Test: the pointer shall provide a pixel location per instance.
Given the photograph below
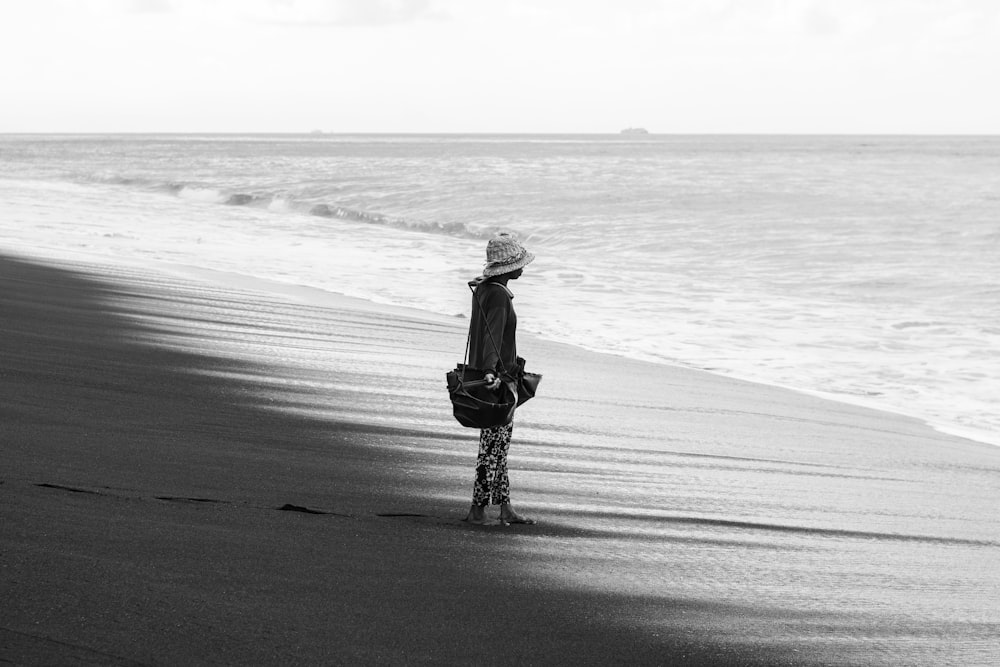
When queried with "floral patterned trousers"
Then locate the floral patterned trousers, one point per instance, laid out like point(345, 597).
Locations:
point(491, 467)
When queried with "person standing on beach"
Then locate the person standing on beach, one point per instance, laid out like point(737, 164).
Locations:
point(492, 347)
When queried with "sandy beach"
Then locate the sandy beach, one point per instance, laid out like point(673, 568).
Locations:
point(202, 470)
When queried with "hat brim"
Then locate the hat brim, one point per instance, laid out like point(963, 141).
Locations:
point(500, 269)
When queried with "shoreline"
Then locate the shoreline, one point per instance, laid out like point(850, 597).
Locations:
point(319, 296)
point(323, 297)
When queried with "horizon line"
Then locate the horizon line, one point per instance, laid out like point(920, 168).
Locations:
point(324, 133)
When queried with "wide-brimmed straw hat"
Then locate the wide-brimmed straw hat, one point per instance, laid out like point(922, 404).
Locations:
point(504, 254)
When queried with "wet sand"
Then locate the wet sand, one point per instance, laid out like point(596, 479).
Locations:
point(203, 473)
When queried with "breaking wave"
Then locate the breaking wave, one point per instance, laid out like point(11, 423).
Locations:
point(283, 202)
point(450, 229)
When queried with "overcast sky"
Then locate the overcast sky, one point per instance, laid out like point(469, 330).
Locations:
point(672, 66)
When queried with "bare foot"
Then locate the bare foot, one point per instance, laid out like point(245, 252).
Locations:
point(476, 516)
point(509, 516)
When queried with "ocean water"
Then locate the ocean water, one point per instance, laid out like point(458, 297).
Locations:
point(866, 269)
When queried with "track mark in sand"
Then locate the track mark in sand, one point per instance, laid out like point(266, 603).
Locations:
point(71, 489)
point(184, 499)
point(288, 507)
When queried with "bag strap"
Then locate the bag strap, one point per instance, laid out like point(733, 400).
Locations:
point(468, 339)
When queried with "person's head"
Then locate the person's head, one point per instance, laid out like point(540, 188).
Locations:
point(505, 257)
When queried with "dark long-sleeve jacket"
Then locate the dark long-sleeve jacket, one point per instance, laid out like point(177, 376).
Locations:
point(492, 315)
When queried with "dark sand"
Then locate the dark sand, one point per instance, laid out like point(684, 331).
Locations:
point(197, 474)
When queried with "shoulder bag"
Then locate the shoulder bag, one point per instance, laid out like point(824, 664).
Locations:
point(474, 404)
